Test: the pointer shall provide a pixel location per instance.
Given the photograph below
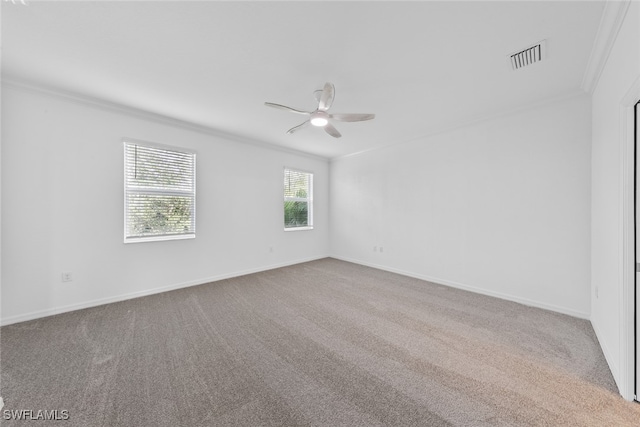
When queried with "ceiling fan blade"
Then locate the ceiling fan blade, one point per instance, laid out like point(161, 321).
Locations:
point(300, 126)
point(326, 99)
point(284, 107)
point(332, 131)
point(352, 117)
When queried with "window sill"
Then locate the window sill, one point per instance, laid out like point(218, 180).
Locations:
point(298, 228)
point(158, 238)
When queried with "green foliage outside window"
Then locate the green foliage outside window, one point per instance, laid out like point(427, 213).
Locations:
point(154, 215)
point(297, 199)
point(296, 214)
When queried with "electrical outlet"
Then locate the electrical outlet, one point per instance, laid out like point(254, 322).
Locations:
point(67, 276)
point(381, 249)
point(596, 292)
point(270, 248)
point(375, 249)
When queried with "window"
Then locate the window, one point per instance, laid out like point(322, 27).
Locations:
point(298, 200)
point(160, 193)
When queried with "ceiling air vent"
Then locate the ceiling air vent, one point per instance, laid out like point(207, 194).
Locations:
point(528, 56)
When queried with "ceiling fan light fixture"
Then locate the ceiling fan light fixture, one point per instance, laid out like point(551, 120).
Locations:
point(319, 121)
point(319, 118)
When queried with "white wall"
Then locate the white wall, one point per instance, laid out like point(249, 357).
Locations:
point(62, 208)
point(501, 207)
point(621, 71)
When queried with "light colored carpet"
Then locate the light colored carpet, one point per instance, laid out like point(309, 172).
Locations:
point(325, 343)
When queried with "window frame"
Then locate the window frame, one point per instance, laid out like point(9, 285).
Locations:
point(157, 191)
point(308, 200)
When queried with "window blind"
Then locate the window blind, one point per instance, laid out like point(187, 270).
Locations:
point(298, 210)
point(159, 193)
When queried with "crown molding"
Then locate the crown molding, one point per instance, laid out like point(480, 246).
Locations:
point(610, 24)
point(100, 103)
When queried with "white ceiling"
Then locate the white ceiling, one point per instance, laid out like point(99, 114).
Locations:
point(421, 67)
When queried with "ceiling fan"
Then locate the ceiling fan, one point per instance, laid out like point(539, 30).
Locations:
point(320, 117)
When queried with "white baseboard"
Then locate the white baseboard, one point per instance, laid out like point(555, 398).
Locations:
point(525, 301)
point(101, 301)
point(122, 297)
